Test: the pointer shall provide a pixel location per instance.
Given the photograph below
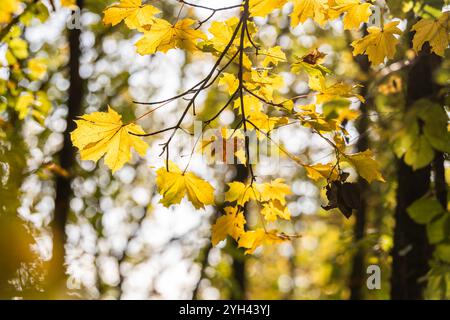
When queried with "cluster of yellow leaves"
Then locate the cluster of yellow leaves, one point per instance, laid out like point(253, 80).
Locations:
point(103, 134)
point(159, 34)
point(355, 12)
point(311, 63)
point(380, 43)
point(232, 224)
point(270, 196)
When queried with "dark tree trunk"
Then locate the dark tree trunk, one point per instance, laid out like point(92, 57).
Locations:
point(411, 251)
point(357, 276)
point(57, 275)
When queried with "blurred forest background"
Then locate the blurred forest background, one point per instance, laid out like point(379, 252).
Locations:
point(72, 229)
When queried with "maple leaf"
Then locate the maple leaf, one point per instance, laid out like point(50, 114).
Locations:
point(231, 223)
point(274, 209)
point(261, 8)
point(251, 105)
point(355, 12)
point(379, 44)
point(132, 11)
point(263, 83)
point(274, 190)
point(433, 31)
point(322, 171)
point(240, 193)
point(174, 184)
point(229, 82)
point(273, 56)
point(272, 195)
point(305, 9)
point(103, 133)
point(162, 36)
point(337, 90)
point(365, 165)
point(222, 33)
point(251, 240)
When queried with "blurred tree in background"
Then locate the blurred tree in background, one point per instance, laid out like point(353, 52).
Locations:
point(73, 229)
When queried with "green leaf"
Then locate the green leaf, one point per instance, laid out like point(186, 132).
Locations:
point(435, 127)
point(420, 154)
point(406, 137)
point(437, 136)
point(442, 252)
point(437, 229)
point(424, 210)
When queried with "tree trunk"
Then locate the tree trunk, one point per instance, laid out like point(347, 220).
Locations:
point(67, 160)
point(357, 276)
point(411, 251)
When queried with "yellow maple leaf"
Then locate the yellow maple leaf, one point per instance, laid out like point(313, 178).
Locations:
point(366, 166)
point(240, 193)
point(379, 43)
point(163, 36)
point(263, 83)
point(174, 184)
point(132, 11)
point(251, 240)
point(261, 8)
point(337, 90)
point(274, 209)
point(355, 11)
point(273, 55)
point(231, 223)
point(322, 171)
point(274, 190)
point(103, 134)
point(229, 82)
point(305, 9)
point(222, 32)
point(251, 105)
point(435, 32)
